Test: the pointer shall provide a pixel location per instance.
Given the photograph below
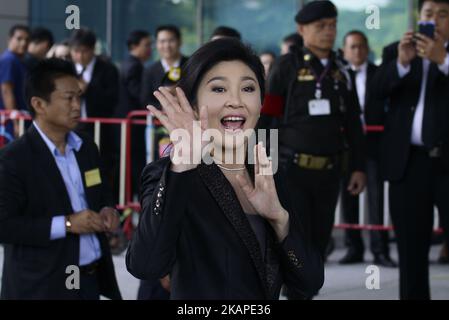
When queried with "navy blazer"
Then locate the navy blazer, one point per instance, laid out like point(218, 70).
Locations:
point(32, 192)
point(193, 228)
point(130, 86)
point(102, 93)
point(152, 78)
point(374, 112)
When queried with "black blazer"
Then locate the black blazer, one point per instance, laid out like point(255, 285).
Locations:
point(130, 86)
point(402, 97)
point(373, 112)
point(102, 93)
point(32, 191)
point(153, 77)
point(193, 227)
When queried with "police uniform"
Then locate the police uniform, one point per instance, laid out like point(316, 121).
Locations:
point(313, 105)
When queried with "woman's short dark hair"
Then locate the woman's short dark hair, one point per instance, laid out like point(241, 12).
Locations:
point(41, 80)
point(212, 53)
point(225, 31)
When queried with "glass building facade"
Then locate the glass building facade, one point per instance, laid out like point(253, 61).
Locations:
point(262, 23)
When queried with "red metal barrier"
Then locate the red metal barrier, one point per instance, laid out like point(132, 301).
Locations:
point(125, 180)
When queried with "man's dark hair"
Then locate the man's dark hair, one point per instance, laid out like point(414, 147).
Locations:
point(212, 53)
point(135, 37)
point(40, 34)
point(83, 37)
point(41, 80)
point(224, 31)
point(295, 39)
point(269, 52)
point(18, 27)
point(421, 3)
point(358, 33)
point(170, 28)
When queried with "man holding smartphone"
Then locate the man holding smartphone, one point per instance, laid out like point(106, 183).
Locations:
point(415, 152)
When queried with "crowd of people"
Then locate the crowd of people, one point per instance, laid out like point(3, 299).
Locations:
point(244, 236)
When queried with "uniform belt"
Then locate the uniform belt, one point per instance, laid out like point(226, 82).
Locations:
point(312, 162)
point(90, 268)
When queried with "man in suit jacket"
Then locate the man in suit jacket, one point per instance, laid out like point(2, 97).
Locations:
point(166, 71)
point(139, 47)
point(361, 71)
point(54, 204)
point(139, 51)
point(415, 156)
point(99, 78)
point(100, 84)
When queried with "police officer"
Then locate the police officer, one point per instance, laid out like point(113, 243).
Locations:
point(311, 102)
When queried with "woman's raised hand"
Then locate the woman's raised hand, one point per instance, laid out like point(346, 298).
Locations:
point(178, 114)
point(263, 195)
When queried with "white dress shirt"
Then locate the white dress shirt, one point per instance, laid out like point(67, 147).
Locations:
point(361, 74)
point(89, 249)
point(167, 67)
point(324, 61)
point(416, 137)
point(87, 77)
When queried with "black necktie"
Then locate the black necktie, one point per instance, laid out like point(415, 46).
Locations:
point(352, 76)
point(80, 75)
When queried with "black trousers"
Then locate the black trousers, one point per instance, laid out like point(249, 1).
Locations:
point(152, 290)
point(350, 210)
point(89, 289)
point(315, 195)
point(412, 201)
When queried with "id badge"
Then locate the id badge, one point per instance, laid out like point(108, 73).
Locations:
point(92, 178)
point(319, 107)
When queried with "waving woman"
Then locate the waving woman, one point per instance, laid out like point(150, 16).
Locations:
point(221, 230)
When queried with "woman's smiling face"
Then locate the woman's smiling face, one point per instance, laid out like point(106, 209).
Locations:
point(231, 92)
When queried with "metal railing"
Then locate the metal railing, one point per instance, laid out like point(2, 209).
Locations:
point(125, 184)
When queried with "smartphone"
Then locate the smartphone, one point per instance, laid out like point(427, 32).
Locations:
point(427, 28)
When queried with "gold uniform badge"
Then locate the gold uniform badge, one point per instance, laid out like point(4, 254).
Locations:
point(174, 74)
point(305, 75)
point(337, 75)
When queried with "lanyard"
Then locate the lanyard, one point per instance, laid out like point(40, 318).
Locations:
point(318, 92)
point(320, 78)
